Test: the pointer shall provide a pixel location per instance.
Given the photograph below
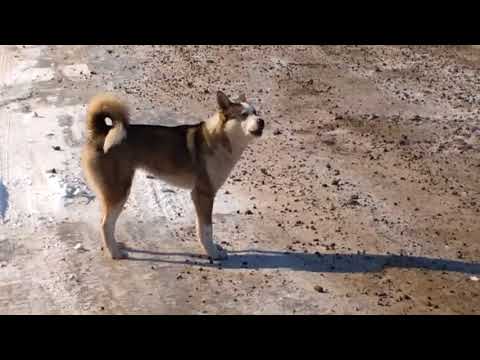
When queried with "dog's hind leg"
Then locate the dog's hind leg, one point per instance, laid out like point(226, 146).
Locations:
point(203, 206)
point(109, 220)
point(112, 206)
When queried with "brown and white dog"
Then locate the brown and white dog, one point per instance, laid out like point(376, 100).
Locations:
point(197, 157)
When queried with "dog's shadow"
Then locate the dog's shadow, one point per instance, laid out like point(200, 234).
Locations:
point(338, 263)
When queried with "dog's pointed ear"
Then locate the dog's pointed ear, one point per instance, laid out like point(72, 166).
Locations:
point(223, 100)
point(242, 98)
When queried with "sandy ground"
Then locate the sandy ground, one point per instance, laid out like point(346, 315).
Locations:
point(362, 197)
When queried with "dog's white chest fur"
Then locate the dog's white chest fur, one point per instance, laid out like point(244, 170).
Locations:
point(219, 166)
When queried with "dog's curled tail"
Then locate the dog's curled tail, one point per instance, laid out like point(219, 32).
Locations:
point(100, 108)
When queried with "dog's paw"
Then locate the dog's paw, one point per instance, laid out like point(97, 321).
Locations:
point(119, 255)
point(116, 254)
point(121, 246)
point(220, 253)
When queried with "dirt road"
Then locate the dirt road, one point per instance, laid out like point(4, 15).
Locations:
point(363, 197)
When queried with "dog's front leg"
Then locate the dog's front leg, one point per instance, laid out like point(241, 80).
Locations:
point(203, 206)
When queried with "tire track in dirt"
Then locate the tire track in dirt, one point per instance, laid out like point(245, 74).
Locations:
point(6, 63)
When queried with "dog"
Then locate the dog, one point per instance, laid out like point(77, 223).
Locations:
point(197, 157)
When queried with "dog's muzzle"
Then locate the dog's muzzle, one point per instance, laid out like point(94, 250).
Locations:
point(260, 127)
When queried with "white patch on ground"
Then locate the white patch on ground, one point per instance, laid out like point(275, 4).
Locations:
point(75, 71)
point(279, 63)
point(25, 72)
point(78, 126)
point(34, 75)
point(38, 191)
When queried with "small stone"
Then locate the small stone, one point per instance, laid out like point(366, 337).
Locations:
point(248, 212)
point(56, 148)
point(320, 289)
point(328, 139)
point(277, 132)
point(79, 247)
point(353, 201)
point(52, 171)
point(474, 278)
point(264, 172)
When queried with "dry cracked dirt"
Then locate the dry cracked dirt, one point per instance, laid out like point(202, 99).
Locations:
point(362, 197)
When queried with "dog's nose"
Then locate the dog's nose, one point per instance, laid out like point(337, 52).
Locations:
point(261, 123)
